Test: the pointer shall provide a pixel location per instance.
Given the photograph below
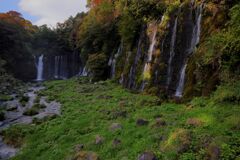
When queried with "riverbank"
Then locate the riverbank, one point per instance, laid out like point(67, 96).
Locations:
point(105, 121)
point(22, 107)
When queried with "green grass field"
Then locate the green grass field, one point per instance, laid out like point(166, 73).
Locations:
point(200, 129)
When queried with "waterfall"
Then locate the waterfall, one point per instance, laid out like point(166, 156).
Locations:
point(40, 68)
point(121, 79)
point(151, 50)
point(56, 67)
point(84, 72)
point(172, 52)
point(194, 42)
point(196, 30)
point(199, 20)
point(180, 87)
point(60, 67)
point(131, 82)
point(153, 42)
point(114, 61)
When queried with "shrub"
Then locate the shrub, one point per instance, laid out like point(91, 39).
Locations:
point(31, 111)
point(23, 100)
point(2, 116)
point(97, 63)
point(14, 136)
point(228, 93)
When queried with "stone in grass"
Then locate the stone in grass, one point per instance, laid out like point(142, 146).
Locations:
point(160, 122)
point(195, 122)
point(86, 155)
point(115, 126)
point(117, 114)
point(99, 140)
point(147, 156)
point(213, 152)
point(79, 147)
point(122, 104)
point(116, 142)
point(141, 122)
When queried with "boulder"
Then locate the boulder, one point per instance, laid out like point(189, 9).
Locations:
point(195, 122)
point(86, 155)
point(115, 126)
point(117, 114)
point(116, 142)
point(147, 156)
point(79, 147)
point(142, 122)
point(99, 140)
point(160, 122)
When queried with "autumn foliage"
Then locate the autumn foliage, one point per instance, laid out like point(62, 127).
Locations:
point(15, 18)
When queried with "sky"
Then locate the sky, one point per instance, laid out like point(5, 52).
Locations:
point(41, 12)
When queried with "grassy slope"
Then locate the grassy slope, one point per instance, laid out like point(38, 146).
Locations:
point(88, 110)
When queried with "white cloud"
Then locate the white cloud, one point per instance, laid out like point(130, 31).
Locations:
point(52, 11)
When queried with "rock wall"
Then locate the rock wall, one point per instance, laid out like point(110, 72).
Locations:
point(162, 61)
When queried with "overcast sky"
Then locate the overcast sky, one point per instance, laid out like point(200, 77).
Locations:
point(44, 11)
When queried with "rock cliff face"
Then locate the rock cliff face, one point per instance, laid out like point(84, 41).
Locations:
point(162, 60)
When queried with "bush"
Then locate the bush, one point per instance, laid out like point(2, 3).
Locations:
point(23, 100)
point(31, 111)
point(228, 93)
point(97, 63)
point(2, 116)
point(5, 98)
point(14, 136)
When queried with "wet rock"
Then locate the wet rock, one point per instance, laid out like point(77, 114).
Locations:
point(79, 147)
point(160, 122)
point(142, 122)
point(147, 156)
point(116, 142)
point(99, 140)
point(86, 155)
point(13, 106)
point(6, 151)
point(115, 127)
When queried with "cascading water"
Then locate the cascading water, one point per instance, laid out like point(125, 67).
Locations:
point(196, 30)
point(114, 60)
point(84, 72)
point(153, 42)
point(131, 82)
point(152, 47)
point(172, 52)
point(40, 68)
point(179, 90)
point(56, 67)
point(60, 67)
point(194, 42)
